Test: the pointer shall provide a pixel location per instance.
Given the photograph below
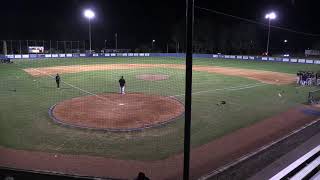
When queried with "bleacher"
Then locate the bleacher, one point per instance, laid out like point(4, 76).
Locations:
point(306, 167)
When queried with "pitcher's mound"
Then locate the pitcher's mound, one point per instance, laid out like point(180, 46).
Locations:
point(152, 77)
point(116, 112)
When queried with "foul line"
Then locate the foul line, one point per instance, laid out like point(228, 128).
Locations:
point(234, 88)
point(71, 85)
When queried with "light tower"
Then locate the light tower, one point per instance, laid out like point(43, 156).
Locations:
point(89, 14)
point(270, 16)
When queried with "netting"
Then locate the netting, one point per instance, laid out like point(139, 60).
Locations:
point(118, 109)
point(245, 99)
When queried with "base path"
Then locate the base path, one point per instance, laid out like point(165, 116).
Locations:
point(117, 112)
point(203, 159)
point(268, 77)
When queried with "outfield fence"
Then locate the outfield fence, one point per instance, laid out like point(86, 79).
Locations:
point(175, 55)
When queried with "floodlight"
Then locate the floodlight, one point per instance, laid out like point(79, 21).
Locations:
point(88, 13)
point(271, 16)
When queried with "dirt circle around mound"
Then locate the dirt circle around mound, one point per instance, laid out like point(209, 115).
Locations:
point(152, 77)
point(116, 112)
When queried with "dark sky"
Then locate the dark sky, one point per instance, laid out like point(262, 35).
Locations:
point(137, 21)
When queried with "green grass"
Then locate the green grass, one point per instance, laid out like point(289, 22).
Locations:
point(25, 100)
point(260, 65)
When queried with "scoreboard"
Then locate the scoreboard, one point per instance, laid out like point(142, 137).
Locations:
point(36, 49)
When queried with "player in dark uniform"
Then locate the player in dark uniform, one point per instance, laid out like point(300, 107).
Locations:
point(122, 84)
point(58, 80)
point(318, 78)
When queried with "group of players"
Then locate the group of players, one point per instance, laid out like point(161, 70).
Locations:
point(4, 59)
point(122, 83)
point(308, 78)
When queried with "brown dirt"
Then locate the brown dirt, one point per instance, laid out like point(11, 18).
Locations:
point(203, 159)
point(129, 112)
point(259, 75)
point(316, 105)
point(152, 77)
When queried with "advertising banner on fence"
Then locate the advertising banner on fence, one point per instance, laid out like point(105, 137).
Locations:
point(175, 55)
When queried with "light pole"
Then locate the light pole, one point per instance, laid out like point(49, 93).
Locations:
point(89, 14)
point(285, 46)
point(116, 37)
point(153, 41)
point(270, 16)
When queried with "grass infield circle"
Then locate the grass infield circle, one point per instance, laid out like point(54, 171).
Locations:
point(116, 112)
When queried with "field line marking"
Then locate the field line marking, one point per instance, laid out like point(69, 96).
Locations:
point(234, 88)
point(249, 155)
point(71, 85)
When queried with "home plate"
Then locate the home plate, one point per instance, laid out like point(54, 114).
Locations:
point(121, 104)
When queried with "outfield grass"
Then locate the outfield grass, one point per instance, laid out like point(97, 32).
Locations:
point(292, 68)
point(25, 100)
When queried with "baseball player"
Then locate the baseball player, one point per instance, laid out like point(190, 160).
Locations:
point(58, 80)
point(122, 84)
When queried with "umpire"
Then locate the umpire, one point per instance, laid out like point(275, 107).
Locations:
point(58, 80)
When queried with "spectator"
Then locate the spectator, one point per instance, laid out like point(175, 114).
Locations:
point(142, 176)
point(318, 78)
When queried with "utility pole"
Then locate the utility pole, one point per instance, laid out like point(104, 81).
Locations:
point(78, 51)
point(20, 47)
point(57, 47)
point(84, 46)
point(50, 47)
point(28, 46)
point(11, 47)
point(65, 46)
point(116, 36)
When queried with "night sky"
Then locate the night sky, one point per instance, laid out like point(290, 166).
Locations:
point(138, 22)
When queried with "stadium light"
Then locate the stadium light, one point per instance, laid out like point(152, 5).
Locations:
point(153, 41)
point(270, 16)
point(89, 14)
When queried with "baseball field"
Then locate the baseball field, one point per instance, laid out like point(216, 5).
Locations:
point(237, 107)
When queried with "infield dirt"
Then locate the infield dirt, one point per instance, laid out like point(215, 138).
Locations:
point(268, 77)
point(118, 112)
